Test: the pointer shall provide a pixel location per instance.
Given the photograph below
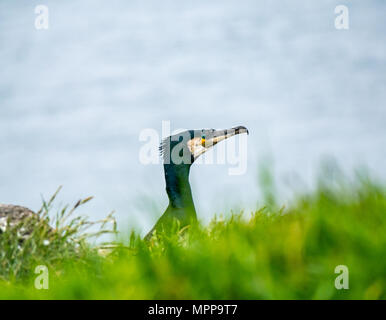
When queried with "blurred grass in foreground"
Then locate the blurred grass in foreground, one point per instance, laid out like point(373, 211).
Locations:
point(278, 253)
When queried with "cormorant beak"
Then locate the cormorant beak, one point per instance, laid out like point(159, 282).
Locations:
point(209, 138)
point(220, 135)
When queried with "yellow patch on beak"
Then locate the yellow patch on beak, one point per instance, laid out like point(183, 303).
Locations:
point(203, 142)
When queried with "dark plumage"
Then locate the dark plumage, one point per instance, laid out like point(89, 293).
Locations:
point(179, 153)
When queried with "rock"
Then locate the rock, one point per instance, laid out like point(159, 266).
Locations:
point(12, 216)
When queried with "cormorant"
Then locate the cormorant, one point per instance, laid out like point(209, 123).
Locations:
point(179, 151)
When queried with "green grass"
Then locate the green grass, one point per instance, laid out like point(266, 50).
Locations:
point(277, 253)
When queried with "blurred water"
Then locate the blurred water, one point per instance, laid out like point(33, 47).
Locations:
point(74, 98)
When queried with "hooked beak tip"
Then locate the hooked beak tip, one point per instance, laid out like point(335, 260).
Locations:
point(241, 129)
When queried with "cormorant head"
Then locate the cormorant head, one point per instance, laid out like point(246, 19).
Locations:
point(185, 147)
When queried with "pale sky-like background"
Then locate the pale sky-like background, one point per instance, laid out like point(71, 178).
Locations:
point(74, 98)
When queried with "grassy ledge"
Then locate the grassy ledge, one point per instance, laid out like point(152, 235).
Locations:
point(281, 253)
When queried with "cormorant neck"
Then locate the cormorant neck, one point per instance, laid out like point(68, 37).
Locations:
point(178, 187)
